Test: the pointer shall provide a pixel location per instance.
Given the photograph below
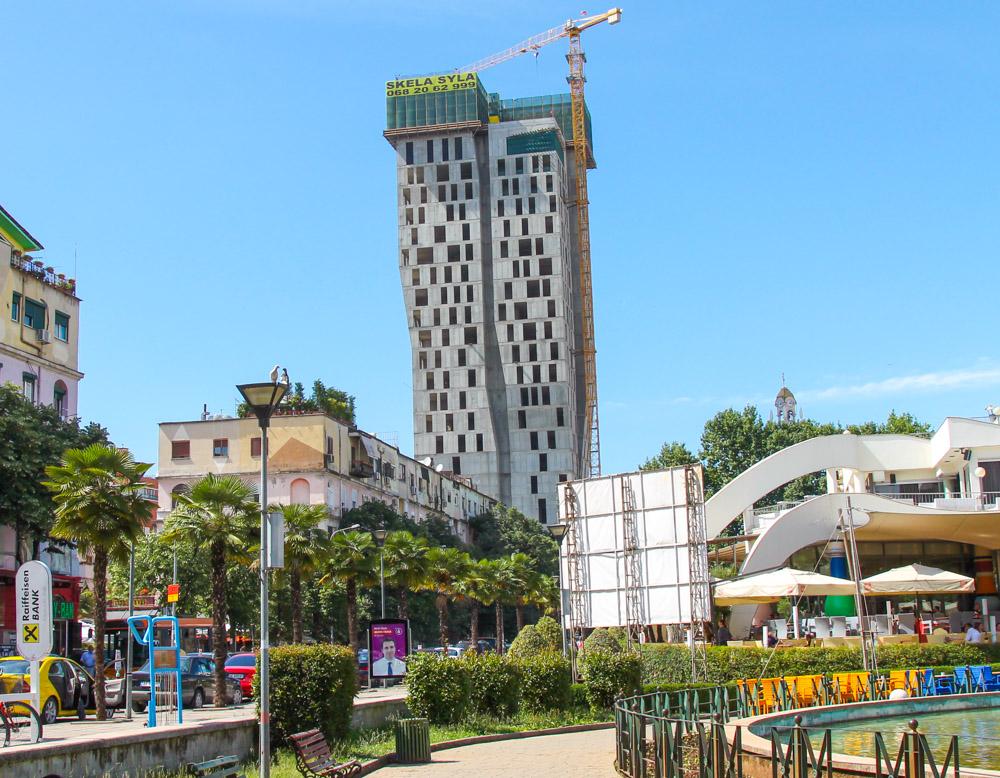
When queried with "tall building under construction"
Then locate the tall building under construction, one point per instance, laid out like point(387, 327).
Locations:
point(488, 258)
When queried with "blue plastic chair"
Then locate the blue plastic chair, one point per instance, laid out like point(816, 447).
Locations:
point(926, 683)
point(983, 679)
point(963, 680)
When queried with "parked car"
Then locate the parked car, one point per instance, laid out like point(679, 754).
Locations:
point(197, 684)
point(243, 667)
point(67, 688)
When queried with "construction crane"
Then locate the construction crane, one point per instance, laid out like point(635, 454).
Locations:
point(572, 29)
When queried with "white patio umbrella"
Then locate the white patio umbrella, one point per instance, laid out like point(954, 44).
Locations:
point(916, 579)
point(775, 584)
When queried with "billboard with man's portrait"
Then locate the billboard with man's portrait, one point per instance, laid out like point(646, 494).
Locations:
point(388, 647)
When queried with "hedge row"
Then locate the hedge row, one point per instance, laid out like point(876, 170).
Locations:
point(448, 690)
point(311, 686)
point(664, 663)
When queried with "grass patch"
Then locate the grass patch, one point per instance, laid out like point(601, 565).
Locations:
point(365, 744)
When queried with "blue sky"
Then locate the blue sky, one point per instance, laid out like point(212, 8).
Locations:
point(799, 187)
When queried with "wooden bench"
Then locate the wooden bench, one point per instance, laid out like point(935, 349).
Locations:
point(313, 757)
point(223, 767)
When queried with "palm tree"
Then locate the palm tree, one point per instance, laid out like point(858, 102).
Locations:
point(498, 591)
point(218, 513)
point(546, 595)
point(98, 506)
point(445, 567)
point(306, 549)
point(524, 580)
point(405, 565)
point(476, 587)
point(353, 560)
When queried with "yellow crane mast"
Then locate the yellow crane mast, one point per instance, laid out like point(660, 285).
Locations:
point(572, 30)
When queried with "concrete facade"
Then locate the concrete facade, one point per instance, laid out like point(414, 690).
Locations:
point(314, 460)
point(490, 282)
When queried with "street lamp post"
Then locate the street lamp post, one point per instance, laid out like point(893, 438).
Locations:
point(380, 539)
point(558, 532)
point(263, 398)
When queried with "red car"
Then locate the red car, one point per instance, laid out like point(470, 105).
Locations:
point(244, 666)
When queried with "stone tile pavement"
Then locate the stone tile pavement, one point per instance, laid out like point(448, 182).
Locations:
point(578, 754)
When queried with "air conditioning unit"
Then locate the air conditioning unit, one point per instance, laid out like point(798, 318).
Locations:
point(43, 336)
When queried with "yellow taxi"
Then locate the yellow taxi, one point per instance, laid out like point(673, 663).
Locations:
point(62, 682)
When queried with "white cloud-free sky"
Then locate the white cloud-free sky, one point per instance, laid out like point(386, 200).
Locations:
point(799, 188)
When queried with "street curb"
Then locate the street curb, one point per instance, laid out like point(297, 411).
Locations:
point(383, 761)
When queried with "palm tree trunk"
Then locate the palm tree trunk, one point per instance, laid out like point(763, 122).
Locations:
point(218, 555)
point(404, 603)
point(352, 614)
point(100, 616)
point(499, 610)
point(442, 608)
point(474, 624)
point(519, 612)
point(295, 584)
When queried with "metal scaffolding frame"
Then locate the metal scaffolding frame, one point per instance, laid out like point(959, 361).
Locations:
point(576, 613)
point(635, 620)
point(700, 582)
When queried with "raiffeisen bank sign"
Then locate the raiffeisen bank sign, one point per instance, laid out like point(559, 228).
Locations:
point(33, 593)
point(428, 85)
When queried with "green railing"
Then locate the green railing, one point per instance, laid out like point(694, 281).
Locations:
point(683, 735)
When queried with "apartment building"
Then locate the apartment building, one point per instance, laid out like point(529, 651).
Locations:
point(314, 460)
point(489, 269)
point(39, 333)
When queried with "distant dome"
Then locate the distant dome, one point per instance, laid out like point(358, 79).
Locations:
point(784, 393)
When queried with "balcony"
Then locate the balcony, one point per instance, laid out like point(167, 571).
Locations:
point(360, 469)
point(47, 275)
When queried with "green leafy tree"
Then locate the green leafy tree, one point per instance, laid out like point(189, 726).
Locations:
point(674, 454)
point(32, 437)
point(445, 568)
point(405, 565)
point(306, 549)
point(353, 561)
point(895, 424)
point(731, 442)
point(97, 492)
point(505, 531)
point(221, 515)
point(154, 571)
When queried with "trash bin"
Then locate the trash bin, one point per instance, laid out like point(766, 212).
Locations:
point(413, 741)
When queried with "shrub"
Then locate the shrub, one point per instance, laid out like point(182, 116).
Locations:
point(496, 684)
point(311, 686)
point(611, 639)
point(545, 682)
point(548, 629)
point(609, 675)
point(578, 695)
point(666, 663)
point(536, 638)
point(527, 643)
point(439, 687)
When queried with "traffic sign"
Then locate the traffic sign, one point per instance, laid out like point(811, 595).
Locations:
point(173, 592)
point(33, 602)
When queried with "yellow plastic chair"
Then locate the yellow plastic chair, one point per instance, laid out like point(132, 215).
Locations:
point(903, 679)
point(770, 694)
point(861, 686)
point(843, 688)
point(806, 689)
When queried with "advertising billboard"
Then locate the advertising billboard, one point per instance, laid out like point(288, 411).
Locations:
point(388, 647)
point(429, 85)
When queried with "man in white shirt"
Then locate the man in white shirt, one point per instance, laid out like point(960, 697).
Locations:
point(389, 664)
point(973, 635)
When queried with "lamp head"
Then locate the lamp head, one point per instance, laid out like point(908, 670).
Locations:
point(263, 398)
point(558, 531)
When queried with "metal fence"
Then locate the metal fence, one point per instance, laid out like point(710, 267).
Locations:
point(683, 735)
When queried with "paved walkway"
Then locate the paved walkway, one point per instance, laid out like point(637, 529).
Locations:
point(579, 754)
point(67, 730)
